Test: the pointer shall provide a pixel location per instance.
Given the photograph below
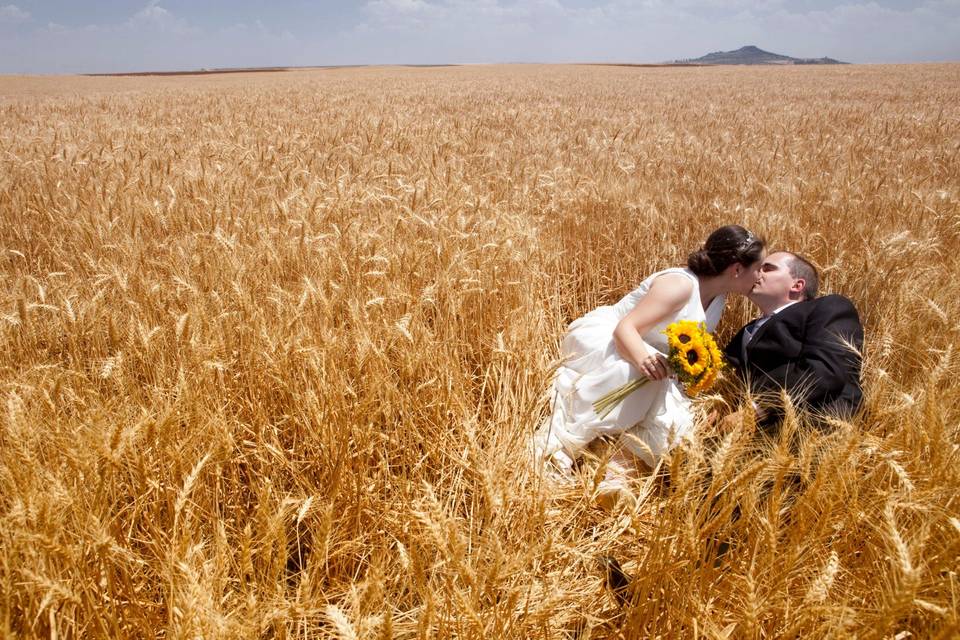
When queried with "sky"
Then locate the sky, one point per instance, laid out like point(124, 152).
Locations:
point(67, 36)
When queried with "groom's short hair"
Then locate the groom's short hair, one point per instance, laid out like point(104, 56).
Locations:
point(802, 269)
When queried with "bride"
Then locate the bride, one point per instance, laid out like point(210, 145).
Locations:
point(614, 344)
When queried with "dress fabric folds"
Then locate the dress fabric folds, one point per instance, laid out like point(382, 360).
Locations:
point(652, 419)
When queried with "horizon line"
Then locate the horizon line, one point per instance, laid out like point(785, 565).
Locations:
point(273, 69)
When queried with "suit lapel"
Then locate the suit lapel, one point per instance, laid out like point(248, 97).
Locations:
point(755, 340)
point(734, 349)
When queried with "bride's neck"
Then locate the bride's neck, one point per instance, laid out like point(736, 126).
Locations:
point(710, 288)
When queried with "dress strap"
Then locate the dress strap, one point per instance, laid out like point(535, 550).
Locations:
point(682, 270)
point(685, 271)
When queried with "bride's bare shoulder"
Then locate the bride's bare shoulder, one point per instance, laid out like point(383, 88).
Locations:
point(671, 286)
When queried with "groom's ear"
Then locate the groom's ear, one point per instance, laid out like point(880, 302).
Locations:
point(798, 286)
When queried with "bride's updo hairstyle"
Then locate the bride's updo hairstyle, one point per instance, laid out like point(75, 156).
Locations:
point(725, 246)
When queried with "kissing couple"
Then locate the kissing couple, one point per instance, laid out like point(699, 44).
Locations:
point(806, 345)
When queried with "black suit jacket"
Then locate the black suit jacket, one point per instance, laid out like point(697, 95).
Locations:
point(804, 349)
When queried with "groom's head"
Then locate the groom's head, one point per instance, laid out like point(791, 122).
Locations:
point(784, 277)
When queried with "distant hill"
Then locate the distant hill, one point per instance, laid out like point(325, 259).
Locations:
point(754, 55)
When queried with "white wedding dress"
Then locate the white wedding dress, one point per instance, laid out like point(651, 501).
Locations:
point(656, 415)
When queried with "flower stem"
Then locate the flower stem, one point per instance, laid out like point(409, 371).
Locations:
point(607, 403)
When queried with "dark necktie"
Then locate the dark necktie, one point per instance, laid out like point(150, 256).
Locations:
point(748, 333)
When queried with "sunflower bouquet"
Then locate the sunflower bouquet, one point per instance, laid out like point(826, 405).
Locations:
point(694, 356)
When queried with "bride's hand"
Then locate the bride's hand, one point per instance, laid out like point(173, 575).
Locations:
point(655, 367)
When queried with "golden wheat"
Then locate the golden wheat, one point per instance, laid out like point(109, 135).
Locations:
point(273, 347)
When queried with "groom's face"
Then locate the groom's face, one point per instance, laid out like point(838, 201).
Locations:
point(775, 282)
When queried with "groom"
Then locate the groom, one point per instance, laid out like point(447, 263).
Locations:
point(805, 345)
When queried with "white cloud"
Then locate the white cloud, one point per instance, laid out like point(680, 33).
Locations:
point(152, 13)
point(400, 6)
point(464, 11)
point(403, 13)
point(13, 13)
point(153, 16)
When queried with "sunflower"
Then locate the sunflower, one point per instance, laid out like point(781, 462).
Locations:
point(681, 333)
point(716, 356)
point(694, 358)
point(705, 382)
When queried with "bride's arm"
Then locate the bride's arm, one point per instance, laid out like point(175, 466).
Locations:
point(666, 296)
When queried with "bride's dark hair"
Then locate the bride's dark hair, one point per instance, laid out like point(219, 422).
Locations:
point(725, 246)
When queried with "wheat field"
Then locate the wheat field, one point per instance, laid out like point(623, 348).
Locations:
point(274, 345)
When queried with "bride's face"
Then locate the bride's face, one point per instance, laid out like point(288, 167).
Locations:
point(748, 276)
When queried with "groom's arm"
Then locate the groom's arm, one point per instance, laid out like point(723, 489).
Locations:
point(830, 357)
